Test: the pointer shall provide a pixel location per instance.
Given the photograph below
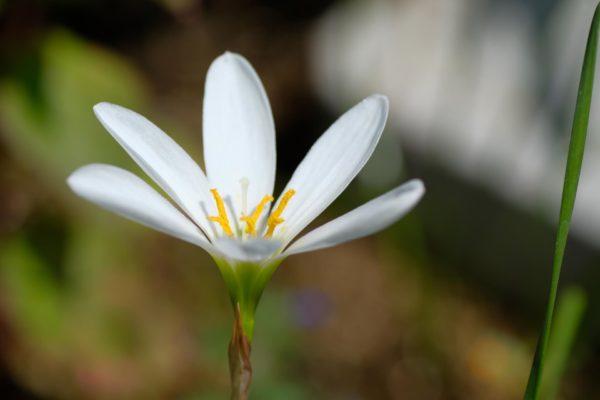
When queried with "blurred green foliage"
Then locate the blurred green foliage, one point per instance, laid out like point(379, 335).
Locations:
point(48, 115)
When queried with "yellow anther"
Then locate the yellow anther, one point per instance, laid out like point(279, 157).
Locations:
point(251, 220)
point(221, 219)
point(275, 217)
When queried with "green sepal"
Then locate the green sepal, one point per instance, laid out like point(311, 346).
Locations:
point(246, 282)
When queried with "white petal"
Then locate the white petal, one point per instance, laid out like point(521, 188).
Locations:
point(162, 159)
point(125, 194)
point(369, 218)
point(249, 250)
point(332, 162)
point(239, 133)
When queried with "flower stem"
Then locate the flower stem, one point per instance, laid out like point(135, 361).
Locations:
point(240, 366)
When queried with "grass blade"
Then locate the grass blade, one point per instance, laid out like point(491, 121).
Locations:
point(572, 172)
point(569, 314)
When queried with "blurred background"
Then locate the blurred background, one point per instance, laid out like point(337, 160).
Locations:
point(447, 304)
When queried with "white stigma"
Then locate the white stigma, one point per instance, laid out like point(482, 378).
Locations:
point(244, 182)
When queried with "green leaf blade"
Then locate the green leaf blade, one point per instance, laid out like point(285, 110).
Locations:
point(569, 315)
point(571, 181)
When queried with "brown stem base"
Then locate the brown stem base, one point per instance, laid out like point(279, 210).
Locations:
point(240, 367)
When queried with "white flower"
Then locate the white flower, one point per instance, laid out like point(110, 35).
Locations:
point(229, 212)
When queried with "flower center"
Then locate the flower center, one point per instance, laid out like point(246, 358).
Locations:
point(251, 220)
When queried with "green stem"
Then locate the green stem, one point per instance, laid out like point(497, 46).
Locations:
point(240, 366)
point(245, 282)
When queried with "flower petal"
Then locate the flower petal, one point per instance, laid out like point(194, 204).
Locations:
point(332, 163)
point(369, 218)
point(239, 133)
point(162, 159)
point(249, 250)
point(125, 194)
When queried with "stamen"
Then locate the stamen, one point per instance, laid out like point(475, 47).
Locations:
point(222, 218)
point(275, 217)
point(251, 220)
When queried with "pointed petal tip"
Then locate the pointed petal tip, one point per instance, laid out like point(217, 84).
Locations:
point(378, 100)
point(74, 179)
point(102, 107)
point(376, 104)
point(105, 110)
point(229, 59)
point(227, 66)
point(232, 65)
point(413, 189)
point(417, 185)
point(379, 97)
point(101, 104)
point(82, 177)
point(230, 55)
